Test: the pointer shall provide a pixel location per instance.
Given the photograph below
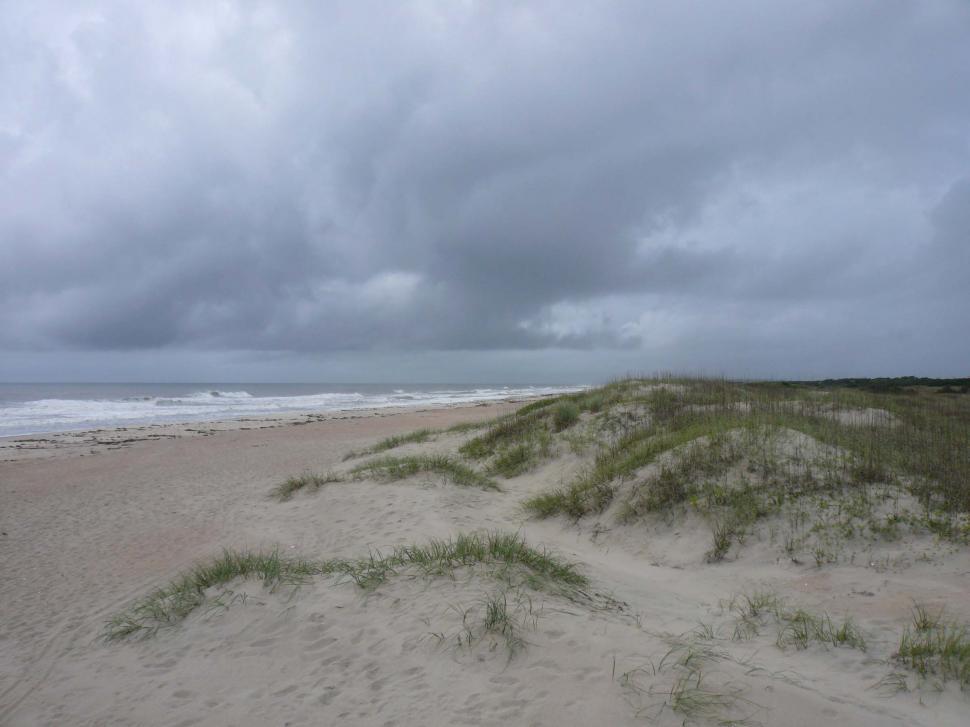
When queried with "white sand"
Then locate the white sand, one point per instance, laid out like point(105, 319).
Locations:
point(84, 535)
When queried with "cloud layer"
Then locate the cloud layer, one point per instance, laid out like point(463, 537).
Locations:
point(742, 186)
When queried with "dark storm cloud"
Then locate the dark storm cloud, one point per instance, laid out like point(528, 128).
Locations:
point(700, 182)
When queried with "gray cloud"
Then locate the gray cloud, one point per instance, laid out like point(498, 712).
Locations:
point(736, 188)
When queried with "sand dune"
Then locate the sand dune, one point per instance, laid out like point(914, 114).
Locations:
point(84, 537)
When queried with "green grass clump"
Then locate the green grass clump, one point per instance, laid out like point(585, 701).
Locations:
point(504, 432)
point(307, 481)
point(398, 468)
point(514, 460)
point(504, 552)
point(931, 646)
point(536, 405)
point(464, 427)
point(564, 415)
point(505, 556)
point(418, 436)
point(800, 628)
point(691, 697)
point(689, 476)
point(595, 488)
point(723, 533)
point(170, 604)
point(499, 618)
point(796, 627)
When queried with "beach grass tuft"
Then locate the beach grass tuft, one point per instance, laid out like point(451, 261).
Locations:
point(418, 436)
point(505, 556)
point(308, 481)
point(172, 603)
point(398, 468)
point(933, 647)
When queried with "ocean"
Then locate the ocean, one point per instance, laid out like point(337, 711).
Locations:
point(46, 408)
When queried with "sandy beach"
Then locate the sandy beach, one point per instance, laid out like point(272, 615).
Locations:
point(89, 522)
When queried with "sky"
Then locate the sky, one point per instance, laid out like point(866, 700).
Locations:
point(460, 191)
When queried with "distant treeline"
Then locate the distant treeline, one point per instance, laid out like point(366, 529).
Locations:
point(898, 383)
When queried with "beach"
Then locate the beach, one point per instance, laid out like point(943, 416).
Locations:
point(90, 522)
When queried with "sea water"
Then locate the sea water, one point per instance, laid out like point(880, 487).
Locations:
point(44, 408)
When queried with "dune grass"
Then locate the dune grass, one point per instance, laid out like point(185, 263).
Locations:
point(866, 450)
point(505, 553)
point(504, 432)
point(801, 628)
point(933, 647)
point(796, 627)
point(172, 603)
point(398, 468)
point(418, 436)
point(564, 415)
point(692, 693)
point(308, 481)
point(502, 617)
point(534, 406)
point(595, 488)
point(505, 556)
point(514, 460)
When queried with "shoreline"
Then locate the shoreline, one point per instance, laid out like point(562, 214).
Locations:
point(19, 447)
point(35, 412)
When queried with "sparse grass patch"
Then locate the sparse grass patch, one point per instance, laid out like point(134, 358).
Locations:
point(692, 694)
point(170, 604)
point(505, 556)
point(398, 468)
point(595, 488)
point(501, 617)
point(693, 698)
point(464, 427)
point(534, 406)
point(933, 647)
point(416, 437)
point(506, 431)
point(564, 415)
point(307, 481)
point(723, 533)
point(800, 628)
point(796, 627)
point(514, 460)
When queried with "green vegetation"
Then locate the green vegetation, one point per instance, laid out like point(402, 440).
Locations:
point(307, 481)
point(170, 604)
point(933, 647)
point(465, 427)
point(514, 460)
point(897, 385)
point(514, 443)
point(535, 406)
point(564, 415)
point(505, 556)
point(398, 468)
point(802, 628)
point(595, 488)
point(418, 436)
point(502, 616)
point(692, 694)
point(837, 463)
point(796, 627)
point(503, 432)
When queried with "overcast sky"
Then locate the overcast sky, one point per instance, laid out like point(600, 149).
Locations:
point(483, 191)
